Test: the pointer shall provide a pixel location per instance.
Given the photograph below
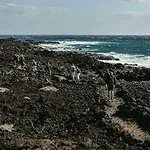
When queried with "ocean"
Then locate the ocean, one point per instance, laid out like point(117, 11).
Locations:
point(129, 49)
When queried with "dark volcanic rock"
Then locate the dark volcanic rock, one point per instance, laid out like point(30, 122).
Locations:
point(136, 96)
point(73, 117)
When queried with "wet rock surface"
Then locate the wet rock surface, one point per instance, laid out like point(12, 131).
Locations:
point(74, 116)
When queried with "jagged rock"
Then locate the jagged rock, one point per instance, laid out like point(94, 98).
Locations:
point(53, 43)
point(73, 111)
point(44, 144)
point(88, 142)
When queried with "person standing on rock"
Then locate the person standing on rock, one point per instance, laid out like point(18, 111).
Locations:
point(22, 60)
point(16, 59)
point(106, 77)
point(73, 72)
point(78, 73)
point(19, 61)
point(110, 81)
point(49, 68)
point(34, 63)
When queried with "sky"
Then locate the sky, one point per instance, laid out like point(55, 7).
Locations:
point(75, 17)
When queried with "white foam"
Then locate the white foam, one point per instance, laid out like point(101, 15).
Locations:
point(57, 47)
point(140, 60)
point(70, 45)
point(84, 42)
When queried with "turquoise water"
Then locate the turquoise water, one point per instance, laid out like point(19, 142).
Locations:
point(129, 49)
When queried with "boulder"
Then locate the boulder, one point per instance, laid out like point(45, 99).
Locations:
point(60, 78)
point(27, 98)
point(7, 127)
point(2, 90)
point(48, 89)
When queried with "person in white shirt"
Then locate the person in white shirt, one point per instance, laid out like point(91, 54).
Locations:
point(73, 72)
point(34, 63)
point(78, 73)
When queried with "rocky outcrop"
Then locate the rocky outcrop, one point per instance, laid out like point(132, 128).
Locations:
point(135, 74)
point(136, 106)
point(74, 116)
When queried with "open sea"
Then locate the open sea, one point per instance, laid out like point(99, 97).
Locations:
point(129, 49)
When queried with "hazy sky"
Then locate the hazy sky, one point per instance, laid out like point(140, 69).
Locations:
point(75, 17)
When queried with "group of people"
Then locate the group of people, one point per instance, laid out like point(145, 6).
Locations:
point(75, 73)
point(19, 60)
point(109, 78)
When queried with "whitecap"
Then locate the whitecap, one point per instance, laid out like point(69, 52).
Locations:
point(140, 60)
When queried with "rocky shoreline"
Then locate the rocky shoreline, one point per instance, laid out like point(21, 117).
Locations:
point(68, 115)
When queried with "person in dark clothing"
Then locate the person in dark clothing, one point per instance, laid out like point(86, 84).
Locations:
point(110, 81)
point(22, 60)
point(49, 69)
point(106, 77)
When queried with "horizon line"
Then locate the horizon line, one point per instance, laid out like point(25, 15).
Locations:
point(75, 34)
